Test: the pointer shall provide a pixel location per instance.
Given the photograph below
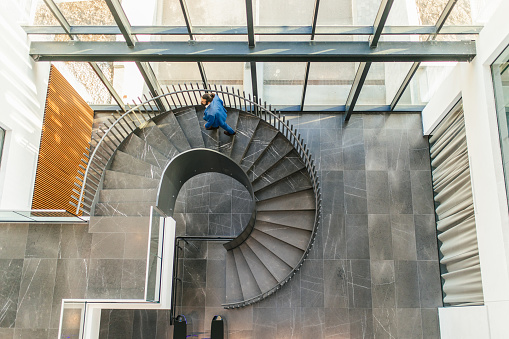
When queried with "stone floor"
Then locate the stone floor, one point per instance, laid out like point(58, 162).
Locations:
point(373, 271)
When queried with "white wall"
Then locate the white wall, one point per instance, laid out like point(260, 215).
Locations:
point(23, 89)
point(472, 82)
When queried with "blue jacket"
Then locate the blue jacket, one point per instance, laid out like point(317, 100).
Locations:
point(215, 113)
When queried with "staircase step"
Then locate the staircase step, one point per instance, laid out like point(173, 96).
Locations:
point(303, 200)
point(290, 235)
point(246, 128)
point(233, 288)
point(225, 141)
point(123, 208)
point(189, 124)
point(289, 164)
point(170, 127)
point(158, 140)
point(139, 149)
point(291, 255)
point(304, 220)
point(128, 195)
point(248, 282)
point(278, 148)
point(262, 138)
point(113, 224)
point(274, 264)
point(210, 137)
point(262, 275)
point(114, 179)
point(126, 163)
point(295, 182)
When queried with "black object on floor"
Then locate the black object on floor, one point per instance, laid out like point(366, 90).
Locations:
point(180, 327)
point(217, 328)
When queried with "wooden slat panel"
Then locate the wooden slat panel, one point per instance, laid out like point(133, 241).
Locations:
point(66, 132)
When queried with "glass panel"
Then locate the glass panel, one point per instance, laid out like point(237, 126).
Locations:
point(2, 138)
point(420, 12)
point(169, 13)
point(128, 82)
point(226, 74)
point(85, 81)
point(176, 73)
point(333, 12)
point(329, 83)
point(86, 13)
point(373, 90)
point(500, 71)
point(398, 72)
point(73, 320)
point(154, 256)
point(217, 13)
point(461, 14)
point(43, 16)
point(282, 82)
point(283, 13)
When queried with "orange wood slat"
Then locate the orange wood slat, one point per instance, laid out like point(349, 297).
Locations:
point(66, 132)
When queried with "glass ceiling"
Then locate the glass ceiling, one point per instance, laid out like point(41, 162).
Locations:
point(285, 85)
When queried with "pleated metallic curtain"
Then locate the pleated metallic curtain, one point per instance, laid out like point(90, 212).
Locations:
point(461, 272)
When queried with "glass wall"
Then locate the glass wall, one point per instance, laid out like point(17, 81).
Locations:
point(500, 71)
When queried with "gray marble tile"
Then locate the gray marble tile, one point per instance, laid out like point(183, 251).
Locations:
point(407, 285)
point(121, 324)
point(193, 296)
point(215, 297)
point(145, 324)
point(290, 164)
point(216, 275)
point(25, 333)
point(380, 237)
point(246, 127)
point(330, 121)
point(139, 149)
point(430, 323)
point(400, 192)
point(105, 278)
point(398, 158)
point(288, 324)
point(76, 242)
point(374, 121)
point(375, 144)
point(198, 199)
point(10, 276)
point(195, 317)
point(333, 192)
point(420, 159)
point(43, 241)
point(403, 237)
point(262, 137)
point(313, 322)
point(189, 123)
point(104, 324)
point(135, 246)
point(171, 128)
point(357, 241)
point(290, 295)
point(164, 330)
point(422, 192)
point(429, 284)
point(377, 183)
point(354, 155)
point(385, 323)
point(426, 237)
point(197, 223)
point(36, 293)
point(311, 282)
point(409, 323)
point(216, 250)
point(337, 323)
point(13, 241)
point(7, 333)
point(333, 236)
point(241, 201)
point(107, 246)
point(359, 284)
point(355, 192)
point(195, 250)
point(361, 323)
point(331, 151)
point(279, 147)
point(297, 181)
point(133, 279)
point(195, 272)
point(264, 322)
point(356, 121)
point(220, 224)
point(396, 121)
point(383, 284)
point(317, 247)
point(335, 284)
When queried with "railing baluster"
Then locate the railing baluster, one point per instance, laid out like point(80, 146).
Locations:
point(183, 95)
point(189, 95)
point(170, 95)
point(144, 108)
point(177, 95)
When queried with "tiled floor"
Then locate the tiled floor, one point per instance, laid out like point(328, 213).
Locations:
point(373, 271)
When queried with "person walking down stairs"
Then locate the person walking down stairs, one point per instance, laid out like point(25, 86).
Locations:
point(215, 113)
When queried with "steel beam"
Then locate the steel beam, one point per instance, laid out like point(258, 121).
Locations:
point(259, 30)
point(254, 80)
point(64, 24)
point(266, 51)
point(381, 18)
point(153, 85)
point(250, 23)
point(404, 84)
point(355, 90)
point(308, 64)
point(443, 17)
point(122, 21)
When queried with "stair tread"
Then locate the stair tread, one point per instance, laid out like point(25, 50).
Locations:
point(126, 224)
point(295, 182)
point(123, 208)
point(289, 164)
point(246, 127)
point(114, 179)
point(278, 148)
point(126, 163)
point(233, 289)
point(226, 142)
point(274, 264)
point(294, 236)
point(139, 149)
point(286, 252)
point(302, 200)
point(189, 124)
point(262, 275)
point(128, 195)
point(153, 136)
point(210, 137)
point(262, 138)
point(170, 127)
point(297, 219)
point(248, 282)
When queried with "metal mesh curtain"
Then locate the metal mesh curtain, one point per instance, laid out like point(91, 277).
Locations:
point(456, 228)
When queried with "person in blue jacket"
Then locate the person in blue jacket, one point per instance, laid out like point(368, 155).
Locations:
point(215, 113)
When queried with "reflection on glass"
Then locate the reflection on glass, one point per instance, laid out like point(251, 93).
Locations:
point(73, 318)
point(500, 72)
point(128, 82)
point(329, 83)
point(283, 13)
point(419, 12)
point(282, 82)
point(86, 13)
point(226, 74)
point(154, 256)
point(217, 13)
point(43, 16)
point(373, 90)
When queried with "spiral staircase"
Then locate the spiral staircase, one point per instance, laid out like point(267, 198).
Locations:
point(121, 180)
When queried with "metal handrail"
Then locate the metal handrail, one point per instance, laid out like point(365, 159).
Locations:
point(179, 99)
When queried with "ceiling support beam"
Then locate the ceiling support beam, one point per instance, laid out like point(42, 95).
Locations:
point(108, 85)
point(254, 81)
point(122, 21)
point(53, 8)
point(355, 90)
point(411, 72)
point(308, 64)
point(381, 18)
point(250, 23)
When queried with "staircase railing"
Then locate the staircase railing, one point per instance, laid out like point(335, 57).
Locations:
point(182, 96)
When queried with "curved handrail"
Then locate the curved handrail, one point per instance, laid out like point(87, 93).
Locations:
point(255, 108)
